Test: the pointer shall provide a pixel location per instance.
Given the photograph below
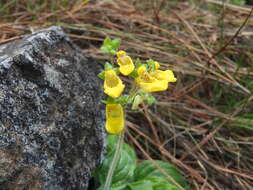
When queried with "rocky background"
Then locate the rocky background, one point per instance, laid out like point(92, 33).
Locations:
point(51, 118)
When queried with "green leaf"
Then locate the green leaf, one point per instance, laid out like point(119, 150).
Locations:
point(107, 41)
point(110, 46)
point(138, 63)
point(108, 66)
point(112, 52)
point(112, 141)
point(115, 187)
point(141, 185)
point(115, 44)
point(151, 65)
point(105, 49)
point(125, 167)
point(141, 92)
point(150, 99)
point(120, 100)
point(164, 186)
point(101, 75)
point(156, 179)
point(109, 100)
point(145, 177)
point(146, 168)
point(151, 185)
point(133, 74)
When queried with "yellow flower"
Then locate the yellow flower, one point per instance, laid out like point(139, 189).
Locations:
point(141, 70)
point(113, 85)
point(164, 75)
point(154, 81)
point(151, 84)
point(125, 63)
point(157, 65)
point(114, 118)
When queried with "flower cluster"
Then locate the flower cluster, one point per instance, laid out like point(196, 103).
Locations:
point(147, 78)
point(154, 81)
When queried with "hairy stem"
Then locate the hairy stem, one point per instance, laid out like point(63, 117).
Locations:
point(114, 161)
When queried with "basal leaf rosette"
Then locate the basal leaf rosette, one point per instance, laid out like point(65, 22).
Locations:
point(125, 63)
point(114, 118)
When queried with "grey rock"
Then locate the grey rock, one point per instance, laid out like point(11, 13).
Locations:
point(51, 118)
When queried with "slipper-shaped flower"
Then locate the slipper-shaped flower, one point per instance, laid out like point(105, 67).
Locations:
point(150, 84)
point(125, 63)
point(113, 85)
point(155, 81)
point(167, 75)
point(157, 65)
point(114, 118)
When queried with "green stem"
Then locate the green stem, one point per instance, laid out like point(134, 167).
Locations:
point(112, 60)
point(114, 161)
point(133, 91)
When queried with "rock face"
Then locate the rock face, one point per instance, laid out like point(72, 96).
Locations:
point(51, 118)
